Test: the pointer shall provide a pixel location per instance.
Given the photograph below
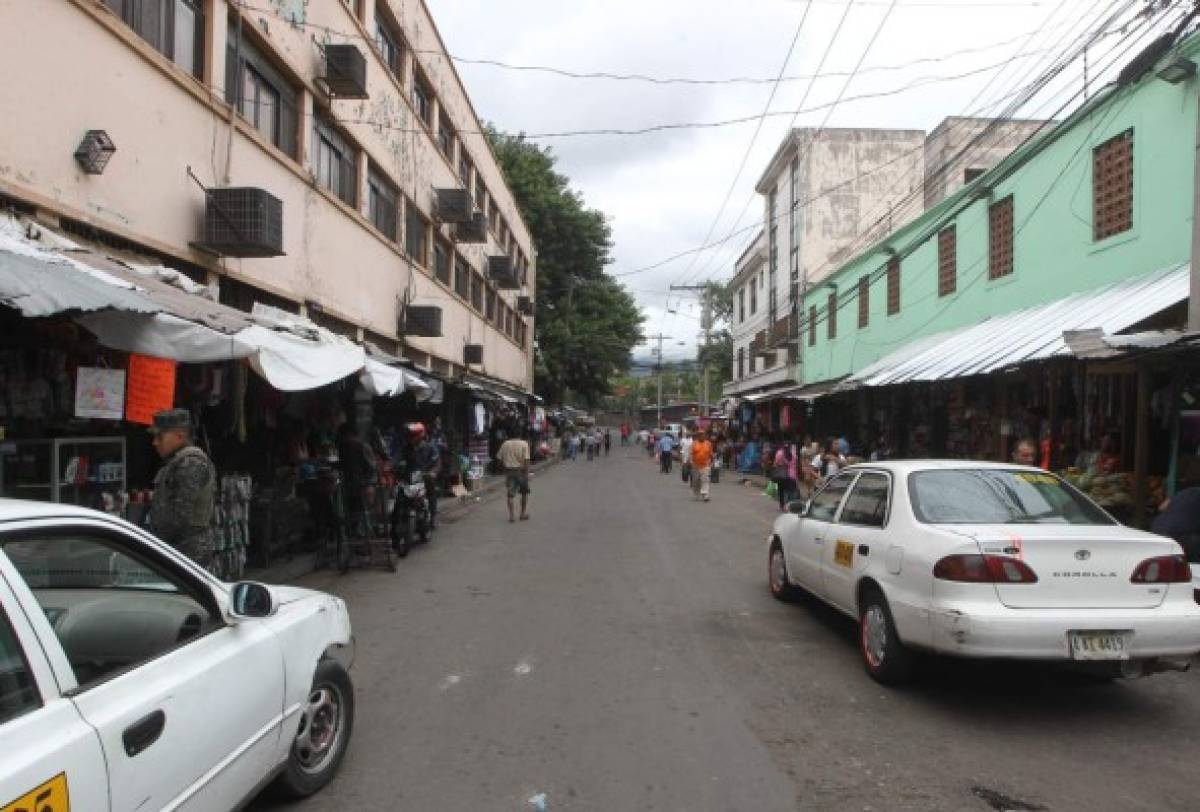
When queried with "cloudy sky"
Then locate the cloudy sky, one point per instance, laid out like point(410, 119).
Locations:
point(663, 192)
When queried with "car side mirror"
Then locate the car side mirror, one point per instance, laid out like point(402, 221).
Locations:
point(798, 507)
point(250, 600)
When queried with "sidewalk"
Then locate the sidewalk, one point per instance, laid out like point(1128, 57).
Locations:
point(450, 510)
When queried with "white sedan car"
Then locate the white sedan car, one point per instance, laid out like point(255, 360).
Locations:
point(132, 679)
point(985, 560)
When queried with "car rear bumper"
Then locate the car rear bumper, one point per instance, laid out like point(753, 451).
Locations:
point(1170, 630)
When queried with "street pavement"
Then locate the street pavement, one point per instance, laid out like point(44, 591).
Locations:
point(620, 651)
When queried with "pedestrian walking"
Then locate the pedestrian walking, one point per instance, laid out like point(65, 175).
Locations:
point(589, 442)
point(702, 461)
point(185, 489)
point(515, 459)
point(685, 456)
point(784, 474)
point(574, 445)
point(666, 447)
point(607, 441)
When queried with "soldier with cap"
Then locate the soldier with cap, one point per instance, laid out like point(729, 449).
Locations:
point(184, 488)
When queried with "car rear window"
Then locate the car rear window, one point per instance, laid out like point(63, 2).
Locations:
point(999, 496)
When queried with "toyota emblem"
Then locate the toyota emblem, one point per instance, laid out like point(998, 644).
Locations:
point(1082, 555)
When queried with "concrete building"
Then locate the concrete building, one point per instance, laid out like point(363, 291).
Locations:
point(827, 194)
point(350, 114)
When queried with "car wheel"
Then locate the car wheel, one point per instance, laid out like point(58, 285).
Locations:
point(323, 734)
point(777, 576)
point(884, 656)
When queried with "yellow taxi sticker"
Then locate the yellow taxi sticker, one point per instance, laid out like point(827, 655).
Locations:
point(49, 797)
point(843, 553)
point(1037, 479)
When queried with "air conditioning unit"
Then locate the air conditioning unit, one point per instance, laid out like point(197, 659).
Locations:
point(453, 205)
point(473, 230)
point(503, 272)
point(472, 354)
point(422, 320)
point(525, 305)
point(345, 72)
point(243, 222)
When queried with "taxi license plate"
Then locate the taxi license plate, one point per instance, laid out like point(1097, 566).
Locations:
point(1099, 645)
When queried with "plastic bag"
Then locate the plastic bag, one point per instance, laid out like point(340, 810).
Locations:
point(773, 489)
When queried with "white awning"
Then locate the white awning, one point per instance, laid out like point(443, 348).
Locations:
point(166, 336)
point(1032, 334)
point(383, 380)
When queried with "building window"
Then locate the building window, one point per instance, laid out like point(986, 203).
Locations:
point(462, 277)
point(753, 361)
point(864, 301)
point(831, 316)
point(260, 93)
point(741, 367)
point(481, 193)
point(175, 28)
point(422, 98)
point(971, 173)
point(493, 214)
point(947, 261)
point(465, 170)
point(381, 203)
point(812, 326)
point(1112, 186)
point(741, 305)
point(1000, 238)
point(490, 313)
point(477, 292)
point(893, 286)
point(441, 262)
point(388, 43)
point(753, 297)
point(334, 163)
point(416, 233)
point(445, 137)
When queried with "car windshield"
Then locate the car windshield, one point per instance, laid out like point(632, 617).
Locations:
point(998, 496)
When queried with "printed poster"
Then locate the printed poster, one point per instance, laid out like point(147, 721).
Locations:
point(100, 393)
point(151, 388)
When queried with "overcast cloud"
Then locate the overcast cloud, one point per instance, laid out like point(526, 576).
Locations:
point(661, 191)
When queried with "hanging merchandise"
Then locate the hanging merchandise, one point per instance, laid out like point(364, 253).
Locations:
point(481, 421)
point(100, 393)
point(232, 527)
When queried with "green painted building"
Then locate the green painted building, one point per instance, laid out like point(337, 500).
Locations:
point(1103, 197)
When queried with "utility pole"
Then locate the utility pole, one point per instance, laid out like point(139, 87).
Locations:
point(705, 292)
point(658, 367)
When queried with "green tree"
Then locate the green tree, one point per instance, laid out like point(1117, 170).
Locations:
point(587, 324)
point(717, 352)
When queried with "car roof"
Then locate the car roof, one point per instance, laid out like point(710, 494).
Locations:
point(911, 466)
point(17, 509)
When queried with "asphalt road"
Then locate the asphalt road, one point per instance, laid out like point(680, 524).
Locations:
point(620, 651)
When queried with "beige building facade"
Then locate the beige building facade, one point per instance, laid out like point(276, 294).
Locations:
point(217, 94)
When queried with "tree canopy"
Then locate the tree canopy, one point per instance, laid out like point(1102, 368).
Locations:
point(587, 324)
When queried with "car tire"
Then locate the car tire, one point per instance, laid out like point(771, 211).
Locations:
point(782, 589)
point(312, 763)
point(885, 657)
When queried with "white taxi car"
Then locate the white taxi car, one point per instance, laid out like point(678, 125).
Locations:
point(132, 679)
point(985, 560)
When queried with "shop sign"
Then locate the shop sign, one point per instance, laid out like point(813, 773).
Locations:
point(151, 388)
point(100, 393)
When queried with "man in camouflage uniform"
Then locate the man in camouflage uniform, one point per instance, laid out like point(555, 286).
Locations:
point(184, 489)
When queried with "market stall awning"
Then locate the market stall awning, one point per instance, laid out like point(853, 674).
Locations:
point(499, 391)
point(1032, 334)
point(812, 391)
point(385, 379)
point(768, 394)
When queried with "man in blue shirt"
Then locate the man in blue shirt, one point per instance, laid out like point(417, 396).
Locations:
point(666, 445)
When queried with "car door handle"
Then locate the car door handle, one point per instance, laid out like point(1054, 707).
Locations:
point(143, 733)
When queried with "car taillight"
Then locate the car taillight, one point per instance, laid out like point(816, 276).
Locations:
point(1165, 569)
point(984, 569)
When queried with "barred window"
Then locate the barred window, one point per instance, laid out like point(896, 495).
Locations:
point(864, 301)
point(893, 286)
point(1000, 238)
point(490, 314)
point(812, 325)
point(334, 160)
point(741, 363)
point(462, 277)
point(416, 233)
point(947, 262)
point(477, 292)
point(441, 262)
point(1112, 186)
point(831, 316)
point(381, 202)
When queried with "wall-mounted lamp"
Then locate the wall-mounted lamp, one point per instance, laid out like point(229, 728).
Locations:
point(1179, 69)
point(94, 151)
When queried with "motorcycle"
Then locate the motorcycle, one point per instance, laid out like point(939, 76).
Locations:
point(411, 517)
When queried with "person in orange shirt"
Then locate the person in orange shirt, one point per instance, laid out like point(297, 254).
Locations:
point(702, 460)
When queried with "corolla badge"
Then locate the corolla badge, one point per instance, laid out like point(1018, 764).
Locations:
point(1082, 555)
